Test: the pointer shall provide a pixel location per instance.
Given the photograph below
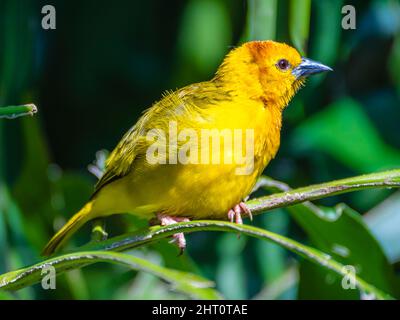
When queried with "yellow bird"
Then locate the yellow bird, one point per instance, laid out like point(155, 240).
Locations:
point(198, 152)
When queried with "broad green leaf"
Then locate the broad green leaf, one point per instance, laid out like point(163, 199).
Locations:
point(205, 34)
point(341, 233)
point(349, 241)
point(78, 285)
point(261, 20)
point(337, 130)
point(271, 257)
point(315, 284)
point(190, 284)
point(328, 17)
point(17, 233)
point(299, 23)
point(11, 228)
point(283, 287)
point(34, 168)
point(145, 285)
point(384, 222)
point(171, 260)
point(231, 266)
point(6, 296)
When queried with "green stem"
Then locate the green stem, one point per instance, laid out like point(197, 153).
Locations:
point(386, 179)
point(195, 286)
point(21, 278)
point(12, 112)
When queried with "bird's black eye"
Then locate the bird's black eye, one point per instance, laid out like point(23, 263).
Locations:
point(283, 64)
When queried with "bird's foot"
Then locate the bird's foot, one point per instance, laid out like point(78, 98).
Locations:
point(178, 238)
point(235, 214)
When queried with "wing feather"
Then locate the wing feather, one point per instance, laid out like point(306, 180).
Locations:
point(185, 105)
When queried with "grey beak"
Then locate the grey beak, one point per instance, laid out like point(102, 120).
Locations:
point(308, 67)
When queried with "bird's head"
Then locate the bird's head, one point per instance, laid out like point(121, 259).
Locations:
point(268, 70)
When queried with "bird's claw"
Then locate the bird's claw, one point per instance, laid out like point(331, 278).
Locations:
point(178, 238)
point(235, 214)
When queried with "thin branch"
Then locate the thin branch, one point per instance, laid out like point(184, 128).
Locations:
point(386, 179)
point(12, 112)
point(20, 278)
point(185, 282)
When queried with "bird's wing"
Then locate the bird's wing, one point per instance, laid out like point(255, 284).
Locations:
point(186, 104)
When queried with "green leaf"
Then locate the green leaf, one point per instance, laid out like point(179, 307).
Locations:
point(16, 234)
point(30, 275)
point(261, 20)
point(328, 17)
point(34, 168)
point(341, 233)
point(299, 23)
point(272, 258)
point(282, 288)
point(6, 296)
point(205, 34)
point(346, 239)
point(334, 131)
point(190, 284)
point(384, 222)
point(231, 266)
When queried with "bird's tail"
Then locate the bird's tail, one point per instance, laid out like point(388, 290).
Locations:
point(77, 221)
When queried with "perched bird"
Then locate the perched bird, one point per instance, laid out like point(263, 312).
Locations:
point(155, 172)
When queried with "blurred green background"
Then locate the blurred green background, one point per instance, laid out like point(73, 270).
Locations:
point(108, 61)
